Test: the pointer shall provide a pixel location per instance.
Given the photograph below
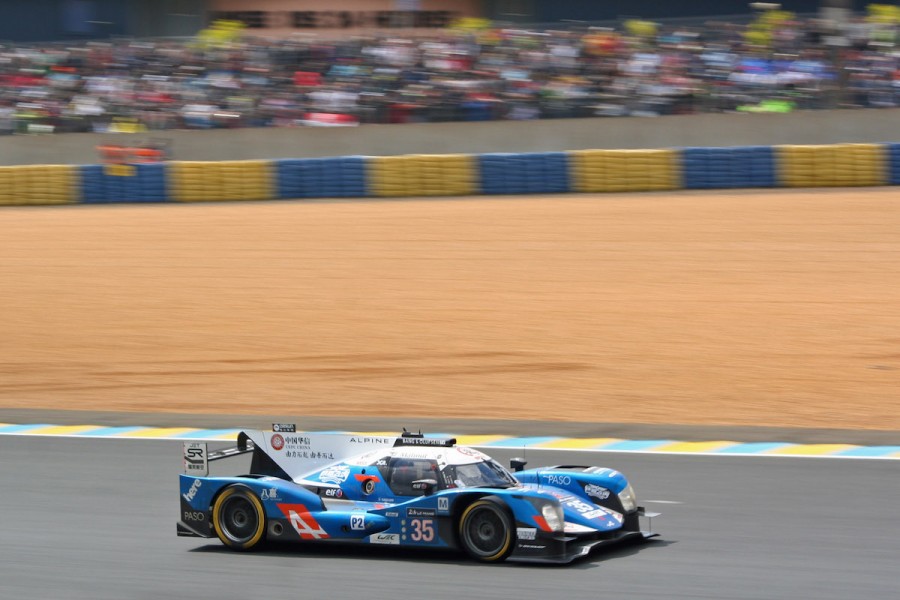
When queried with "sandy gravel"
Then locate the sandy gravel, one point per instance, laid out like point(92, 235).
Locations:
point(776, 308)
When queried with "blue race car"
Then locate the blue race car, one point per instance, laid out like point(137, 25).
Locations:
point(409, 490)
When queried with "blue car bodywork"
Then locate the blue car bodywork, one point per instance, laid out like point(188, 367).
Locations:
point(458, 498)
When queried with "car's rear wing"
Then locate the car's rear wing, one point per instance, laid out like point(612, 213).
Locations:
point(284, 452)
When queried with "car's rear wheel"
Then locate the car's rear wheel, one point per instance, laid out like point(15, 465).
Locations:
point(486, 531)
point(239, 518)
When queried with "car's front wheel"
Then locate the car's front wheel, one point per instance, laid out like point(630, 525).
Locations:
point(486, 530)
point(239, 518)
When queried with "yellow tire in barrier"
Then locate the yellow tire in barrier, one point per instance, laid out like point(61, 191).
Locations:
point(192, 181)
point(832, 165)
point(624, 170)
point(39, 184)
point(423, 175)
point(390, 176)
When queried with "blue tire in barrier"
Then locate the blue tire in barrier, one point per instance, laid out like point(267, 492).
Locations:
point(529, 173)
point(342, 177)
point(720, 168)
point(894, 164)
point(134, 183)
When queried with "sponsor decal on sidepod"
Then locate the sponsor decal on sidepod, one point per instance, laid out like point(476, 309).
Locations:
point(189, 495)
point(337, 474)
point(595, 491)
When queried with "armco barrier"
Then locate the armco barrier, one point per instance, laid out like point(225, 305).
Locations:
point(456, 174)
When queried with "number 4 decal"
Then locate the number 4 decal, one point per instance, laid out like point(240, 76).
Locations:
point(422, 530)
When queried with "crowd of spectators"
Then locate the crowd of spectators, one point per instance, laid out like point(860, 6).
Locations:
point(445, 75)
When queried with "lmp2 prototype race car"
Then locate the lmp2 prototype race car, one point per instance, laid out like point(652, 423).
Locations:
point(407, 490)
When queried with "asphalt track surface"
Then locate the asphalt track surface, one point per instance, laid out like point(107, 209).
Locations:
point(95, 519)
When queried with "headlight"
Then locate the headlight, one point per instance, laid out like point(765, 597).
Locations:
point(627, 497)
point(553, 515)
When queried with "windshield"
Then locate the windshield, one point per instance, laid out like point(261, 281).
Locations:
point(481, 474)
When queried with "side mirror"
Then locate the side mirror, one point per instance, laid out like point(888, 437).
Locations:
point(426, 486)
point(517, 464)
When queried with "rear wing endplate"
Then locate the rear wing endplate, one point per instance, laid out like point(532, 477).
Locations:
point(197, 457)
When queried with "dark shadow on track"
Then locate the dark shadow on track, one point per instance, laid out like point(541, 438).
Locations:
point(431, 556)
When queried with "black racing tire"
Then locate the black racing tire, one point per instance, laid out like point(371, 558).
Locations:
point(239, 518)
point(486, 530)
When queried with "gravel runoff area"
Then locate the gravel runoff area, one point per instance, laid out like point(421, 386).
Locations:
point(703, 309)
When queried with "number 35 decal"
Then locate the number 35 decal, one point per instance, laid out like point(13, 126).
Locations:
point(422, 530)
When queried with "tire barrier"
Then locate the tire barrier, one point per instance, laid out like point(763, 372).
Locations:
point(102, 184)
point(532, 173)
point(721, 168)
point(625, 170)
point(589, 171)
point(39, 184)
point(191, 181)
point(894, 164)
point(838, 165)
point(423, 175)
point(341, 177)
